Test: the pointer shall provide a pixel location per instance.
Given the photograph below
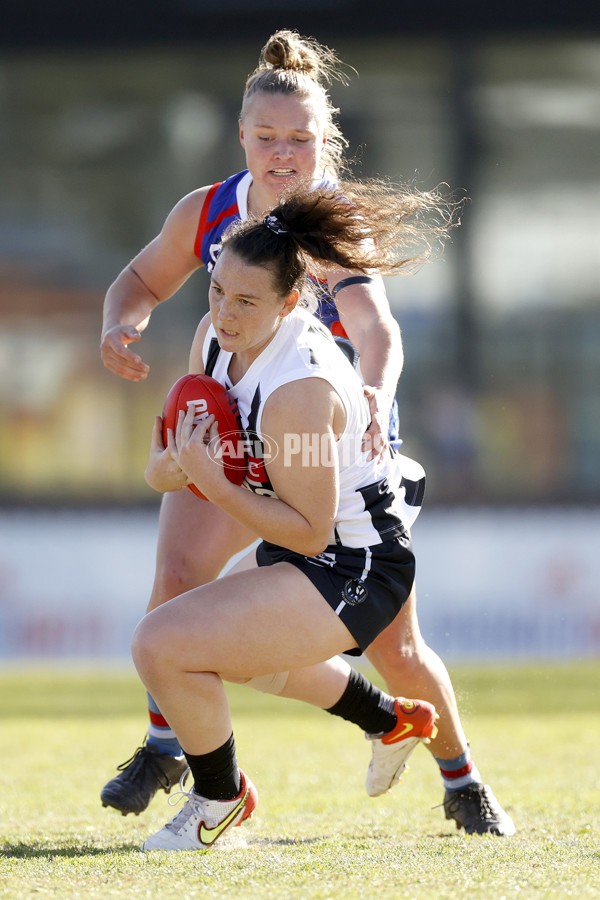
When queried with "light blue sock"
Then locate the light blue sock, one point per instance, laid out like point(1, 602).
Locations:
point(160, 735)
point(459, 772)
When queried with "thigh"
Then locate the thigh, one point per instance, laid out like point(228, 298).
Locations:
point(253, 623)
point(365, 586)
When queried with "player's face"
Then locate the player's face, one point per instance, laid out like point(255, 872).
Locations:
point(245, 310)
point(283, 137)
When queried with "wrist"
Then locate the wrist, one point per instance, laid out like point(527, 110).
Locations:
point(223, 493)
point(381, 389)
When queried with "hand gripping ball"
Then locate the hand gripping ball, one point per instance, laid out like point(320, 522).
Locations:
point(209, 397)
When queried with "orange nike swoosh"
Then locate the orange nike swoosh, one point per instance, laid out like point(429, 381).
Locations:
point(398, 737)
point(209, 835)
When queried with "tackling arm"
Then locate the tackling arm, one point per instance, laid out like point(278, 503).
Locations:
point(367, 319)
point(154, 275)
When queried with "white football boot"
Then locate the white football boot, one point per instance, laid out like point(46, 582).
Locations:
point(201, 822)
point(416, 723)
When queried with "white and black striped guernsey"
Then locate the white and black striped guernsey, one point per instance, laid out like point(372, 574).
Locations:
point(378, 501)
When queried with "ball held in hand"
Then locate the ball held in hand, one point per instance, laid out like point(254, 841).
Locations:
point(208, 397)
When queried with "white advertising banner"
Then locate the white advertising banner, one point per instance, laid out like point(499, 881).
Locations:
point(509, 583)
point(492, 584)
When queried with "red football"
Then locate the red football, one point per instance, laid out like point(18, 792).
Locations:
point(209, 397)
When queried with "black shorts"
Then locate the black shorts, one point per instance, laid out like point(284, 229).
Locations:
point(366, 587)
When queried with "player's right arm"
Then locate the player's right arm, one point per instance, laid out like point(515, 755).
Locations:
point(163, 472)
point(154, 275)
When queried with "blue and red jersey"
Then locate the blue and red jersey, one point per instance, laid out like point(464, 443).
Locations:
point(227, 201)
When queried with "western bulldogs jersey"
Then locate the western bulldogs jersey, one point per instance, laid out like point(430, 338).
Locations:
point(227, 201)
point(378, 501)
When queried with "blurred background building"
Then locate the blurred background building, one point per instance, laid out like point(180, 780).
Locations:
point(112, 112)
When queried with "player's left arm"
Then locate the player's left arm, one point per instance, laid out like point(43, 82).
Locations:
point(365, 313)
point(163, 473)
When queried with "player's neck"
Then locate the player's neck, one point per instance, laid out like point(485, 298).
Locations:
point(241, 360)
point(260, 201)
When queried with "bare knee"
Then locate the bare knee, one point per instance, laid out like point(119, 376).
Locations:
point(400, 648)
point(178, 569)
point(195, 542)
point(149, 651)
point(395, 659)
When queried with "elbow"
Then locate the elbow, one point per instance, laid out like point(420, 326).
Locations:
point(314, 544)
point(313, 549)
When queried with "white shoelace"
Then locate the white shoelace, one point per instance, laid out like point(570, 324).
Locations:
point(192, 806)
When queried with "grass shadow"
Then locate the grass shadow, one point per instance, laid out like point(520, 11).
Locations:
point(21, 850)
point(36, 850)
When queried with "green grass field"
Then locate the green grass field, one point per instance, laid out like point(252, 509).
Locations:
point(534, 732)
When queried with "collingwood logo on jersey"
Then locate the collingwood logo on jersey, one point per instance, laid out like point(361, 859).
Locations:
point(354, 592)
